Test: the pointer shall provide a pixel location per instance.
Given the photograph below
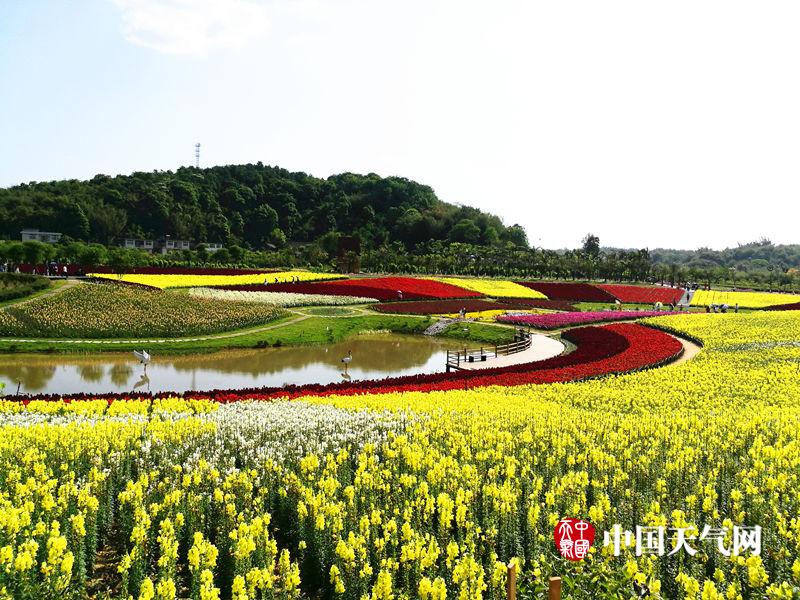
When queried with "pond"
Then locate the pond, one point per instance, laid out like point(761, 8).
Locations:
point(374, 356)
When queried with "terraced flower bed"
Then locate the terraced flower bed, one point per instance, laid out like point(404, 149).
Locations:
point(560, 320)
point(382, 288)
point(410, 287)
point(638, 294)
point(743, 299)
point(89, 311)
point(285, 299)
point(496, 288)
point(576, 292)
point(178, 280)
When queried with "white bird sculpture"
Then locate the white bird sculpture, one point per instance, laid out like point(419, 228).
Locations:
point(144, 358)
point(347, 359)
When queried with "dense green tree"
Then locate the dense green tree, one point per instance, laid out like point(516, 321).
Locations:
point(14, 252)
point(465, 231)
point(222, 256)
point(516, 235)
point(92, 255)
point(237, 253)
point(35, 252)
point(591, 245)
point(107, 223)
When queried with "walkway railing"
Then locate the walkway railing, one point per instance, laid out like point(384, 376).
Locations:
point(522, 341)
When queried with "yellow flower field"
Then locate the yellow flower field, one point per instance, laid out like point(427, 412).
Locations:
point(494, 288)
point(420, 495)
point(175, 281)
point(102, 310)
point(743, 299)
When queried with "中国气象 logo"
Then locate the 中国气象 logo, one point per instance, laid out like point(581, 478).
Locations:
point(573, 538)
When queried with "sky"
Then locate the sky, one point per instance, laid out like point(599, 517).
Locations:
point(650, 124)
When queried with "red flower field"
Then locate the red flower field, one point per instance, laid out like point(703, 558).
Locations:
point(580, 292)
point(792, 306)
point(410, 286)
point(637, 294)
point(380, 288)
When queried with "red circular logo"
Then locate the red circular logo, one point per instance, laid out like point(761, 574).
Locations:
point(573, 538)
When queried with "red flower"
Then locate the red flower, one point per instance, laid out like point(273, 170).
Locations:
point(638, 294)
point(582, 292)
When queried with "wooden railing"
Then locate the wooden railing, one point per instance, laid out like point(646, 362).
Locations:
point(522, 341)
point(553, 585)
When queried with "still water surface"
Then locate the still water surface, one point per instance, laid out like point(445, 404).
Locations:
point(374, 357)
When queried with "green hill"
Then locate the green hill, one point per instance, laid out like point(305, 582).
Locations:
point(250, 205)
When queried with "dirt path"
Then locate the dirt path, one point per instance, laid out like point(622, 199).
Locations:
point(690, 350)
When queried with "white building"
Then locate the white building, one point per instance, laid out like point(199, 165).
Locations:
point(134, 244)
point(48, 237)
point(170, 245)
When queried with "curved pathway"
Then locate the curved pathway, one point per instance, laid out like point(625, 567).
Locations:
point(690, 350)
point(542, 348)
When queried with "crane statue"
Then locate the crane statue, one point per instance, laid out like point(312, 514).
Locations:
point(347, 360)
point(143, 357)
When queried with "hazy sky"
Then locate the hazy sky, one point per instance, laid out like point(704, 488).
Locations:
point(648, 123)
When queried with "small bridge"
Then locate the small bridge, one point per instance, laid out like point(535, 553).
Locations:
point(466, 359)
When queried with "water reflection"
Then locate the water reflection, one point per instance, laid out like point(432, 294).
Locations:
point(374, 357)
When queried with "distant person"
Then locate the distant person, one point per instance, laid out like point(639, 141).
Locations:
point(400, 294)
point(736, 308)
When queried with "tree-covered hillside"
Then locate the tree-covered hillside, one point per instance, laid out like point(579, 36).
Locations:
point(755, 256)
point(248, 205)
